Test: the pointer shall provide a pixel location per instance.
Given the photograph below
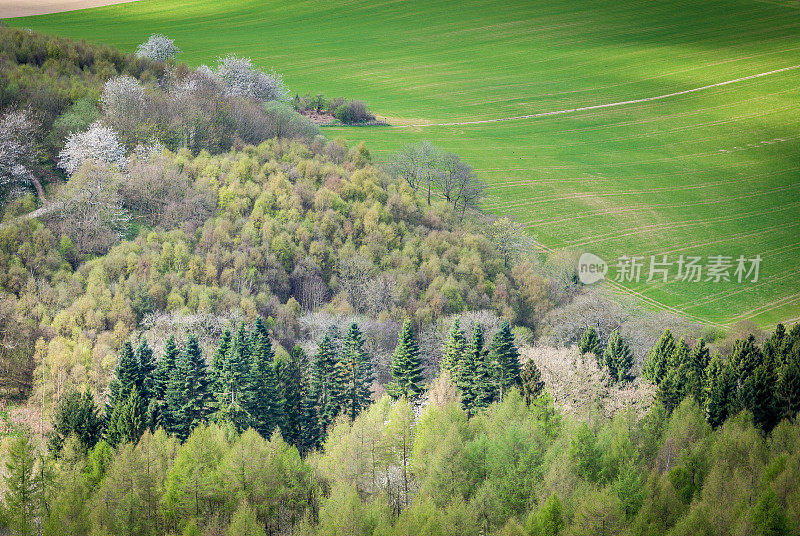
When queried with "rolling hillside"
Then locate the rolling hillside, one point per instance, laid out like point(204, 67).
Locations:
point(710, 168)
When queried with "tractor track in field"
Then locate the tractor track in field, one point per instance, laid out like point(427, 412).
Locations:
point(601, 106)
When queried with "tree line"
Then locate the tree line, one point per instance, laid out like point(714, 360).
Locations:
point(244, 386)
point(762, 379)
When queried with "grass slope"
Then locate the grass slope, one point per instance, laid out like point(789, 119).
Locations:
point(706, 173)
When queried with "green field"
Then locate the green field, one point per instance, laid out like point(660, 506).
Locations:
point(711, 172)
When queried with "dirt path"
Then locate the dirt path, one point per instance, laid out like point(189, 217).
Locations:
point(23, 8)
point(598, 106)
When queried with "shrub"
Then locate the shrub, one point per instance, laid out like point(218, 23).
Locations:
point(241, 79)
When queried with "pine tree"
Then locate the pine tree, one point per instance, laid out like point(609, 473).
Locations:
point(217, 368)
point(465, 374)
point(127, 378)
point(670, 391)
point(406, 366)
point(697, 364)
point(265, 401)
point(483, 382)
point(195, 384)
point(78, 415)
point(310, 433)
point(22, 495)
point(294, 388)
point(532, 384)
point(358, 365)
point(618, 357)
point(590, 342)
point(454, 348)
point(788, 390)
point(328, 377)
point(505, 354)
point(719, 391)
point(759, 396)
point(236, 369)
point(655, 367)
point(147, 367)
point(776, 346)
point(128, 421)
point(161, 416)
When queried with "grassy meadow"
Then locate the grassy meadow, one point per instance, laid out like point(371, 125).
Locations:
point(712, 172)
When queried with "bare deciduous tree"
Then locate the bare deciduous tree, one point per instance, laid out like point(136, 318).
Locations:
point(18, 154)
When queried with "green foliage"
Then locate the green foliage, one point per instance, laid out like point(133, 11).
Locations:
point(406, 366)
point(76, 414)
point(590, 342)
point(532, 383)
point(24, 488)
point(504, 352)
point(618, 357)
point(659, 357)
point(454, 348)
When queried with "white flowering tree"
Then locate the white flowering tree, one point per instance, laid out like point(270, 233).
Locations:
point(17, 153)
point(239, 78)
point(122, 96)
point(158, 47)
point(97, 143)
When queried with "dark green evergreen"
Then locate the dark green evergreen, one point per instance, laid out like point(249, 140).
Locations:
point(294, 388)
point(618, 357)
point(454, 349)
point(590, 343)
point(696, 366)
point(504, 353)
point(484, 383)
point(406, 366)
point(531, 379)
point(655, 367)
point(76, 414)
point(358, 366)
point(160, 415)
point(265, 400)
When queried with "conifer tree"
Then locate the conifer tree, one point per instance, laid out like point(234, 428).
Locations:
point(532, 384)
point(788, 389)
point(236, 369)
point(294, 389)
point(670, 391)
point(164, 371)
point(188, 396)
point(406, 366)
point(655, 367)
point(22, 495)
point(310, 435)
point(265, 401)
point(504, 352)
point(217, 368)
point(466, 371)
point(696, 367)
point(590, 342)
point(76, 414)
point(328, 377)
point(618, 357)
point(719, 391)
point(147, 367)
point(127, 378)
point(128, 421)
point(454, 348)
point(358, 365)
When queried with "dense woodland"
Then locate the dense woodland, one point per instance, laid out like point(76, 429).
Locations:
point(229, 324)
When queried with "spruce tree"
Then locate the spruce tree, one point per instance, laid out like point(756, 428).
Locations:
point(310, 436)
point(465, 375)
point(454, 348)
point(788, 389)
point(406, 366)
point(618, 357)
point(164, 371)
point(719, 391)
point(590, 342)
point(655, 367)
point(358, 365)
point(265, 401)
point(127, 378)
point(217, 368)
point(236, 369)
point(294, 388)
point(696, 366)
point(76, 414)
point(670, 391)
point(532, 384)
point(128, 421)
point(328, 377)
point(504, 352)
point(147, 367)
point(188, 395)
